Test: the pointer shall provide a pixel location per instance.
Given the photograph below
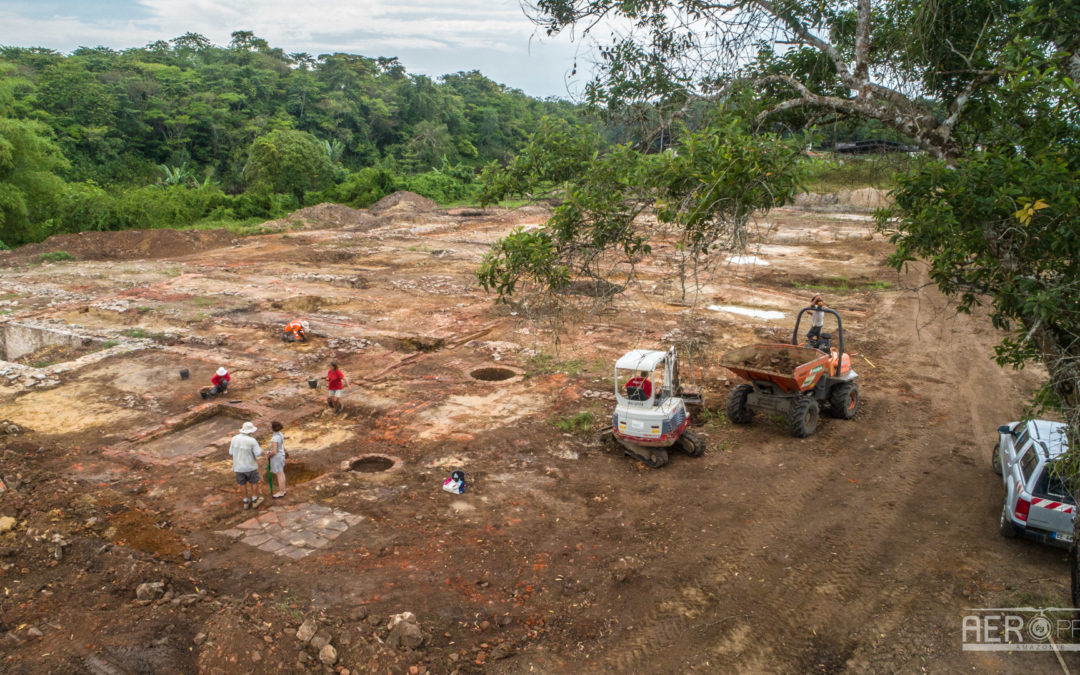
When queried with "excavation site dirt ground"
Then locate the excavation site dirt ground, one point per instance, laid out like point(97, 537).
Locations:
point(124, 547)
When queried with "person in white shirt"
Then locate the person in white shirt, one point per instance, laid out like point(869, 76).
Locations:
point(244, 449)
point(817, 319)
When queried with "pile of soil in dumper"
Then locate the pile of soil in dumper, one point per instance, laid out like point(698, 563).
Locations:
point(774, 360)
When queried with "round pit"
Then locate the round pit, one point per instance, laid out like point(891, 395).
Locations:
point(373, 463)
point(493, 374)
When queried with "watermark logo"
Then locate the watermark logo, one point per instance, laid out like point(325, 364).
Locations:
point(1020, 629)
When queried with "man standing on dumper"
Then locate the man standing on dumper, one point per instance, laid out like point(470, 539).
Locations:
point(817, 319)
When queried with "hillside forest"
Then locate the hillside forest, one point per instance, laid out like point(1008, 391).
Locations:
point(183, 133)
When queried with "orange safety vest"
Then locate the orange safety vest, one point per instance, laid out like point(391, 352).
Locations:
point(295, 327)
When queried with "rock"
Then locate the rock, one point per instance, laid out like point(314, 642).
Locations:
point(303, 657)
point(501, 651)
point(33, 631)
point(404, 632)
point(7, 524)
point(359, 613)
point(626, 568)
point(199, 639)
point(328, 655)
point(149, 592)
point(256, 657)
point(187, 554)
point(307, 630)
point(318, 642)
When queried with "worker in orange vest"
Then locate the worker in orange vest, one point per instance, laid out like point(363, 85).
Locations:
point(296, 331)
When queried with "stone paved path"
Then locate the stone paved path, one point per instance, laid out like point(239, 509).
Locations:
point(294, 531)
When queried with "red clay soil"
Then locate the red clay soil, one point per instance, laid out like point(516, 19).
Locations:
point(125, 245)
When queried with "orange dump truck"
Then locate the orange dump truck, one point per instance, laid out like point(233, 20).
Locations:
point(794, 380)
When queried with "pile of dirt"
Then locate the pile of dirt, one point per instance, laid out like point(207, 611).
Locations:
point(774, 361)
point(402, 202)
point(328, 215)
point(863, 199)
point(126, 244)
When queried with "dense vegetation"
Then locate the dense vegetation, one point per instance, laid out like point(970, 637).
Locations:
point(183, 131)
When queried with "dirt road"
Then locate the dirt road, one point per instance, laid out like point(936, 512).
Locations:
point(858, 549)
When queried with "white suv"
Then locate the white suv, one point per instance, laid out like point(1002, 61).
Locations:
point(1038, 504)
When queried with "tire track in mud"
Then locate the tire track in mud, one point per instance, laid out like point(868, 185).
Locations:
point(660, 628)
point(910, 446)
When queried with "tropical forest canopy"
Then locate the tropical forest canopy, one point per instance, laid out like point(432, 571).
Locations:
point(184, 131)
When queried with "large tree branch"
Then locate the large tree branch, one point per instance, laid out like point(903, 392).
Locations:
point(920, 125)
point(862, 49)
point(804, 34)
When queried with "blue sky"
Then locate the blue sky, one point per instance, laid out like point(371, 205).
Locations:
point(433, 37)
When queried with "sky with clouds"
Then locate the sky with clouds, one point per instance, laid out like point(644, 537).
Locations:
point(432, 37)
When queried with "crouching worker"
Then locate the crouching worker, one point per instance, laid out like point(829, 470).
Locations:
point(244, 449)
point(219, 382)
point(296, 331)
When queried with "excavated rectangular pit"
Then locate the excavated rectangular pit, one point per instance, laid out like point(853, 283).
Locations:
point(192, 439)
point(40, 346)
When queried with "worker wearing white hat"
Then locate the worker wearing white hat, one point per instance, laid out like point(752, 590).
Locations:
point(220, 382)
point(244, 449)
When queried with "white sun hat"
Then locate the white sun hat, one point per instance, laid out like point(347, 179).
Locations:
point(248, 428)
point(222, 372)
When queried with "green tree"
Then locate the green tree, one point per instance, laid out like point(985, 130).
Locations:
point(988, 87)
point(288, 161)
point(29, 160)
point(704, 191)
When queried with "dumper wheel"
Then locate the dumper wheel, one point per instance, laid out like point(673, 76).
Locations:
point(691, 444)
point(802, 417)
point(995, 460)
point(844, 400)
point(737, 411)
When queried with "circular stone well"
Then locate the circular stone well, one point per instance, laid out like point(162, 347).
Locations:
point(494, 374)
point(372, 463)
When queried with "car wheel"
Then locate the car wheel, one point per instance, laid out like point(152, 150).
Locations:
point(802, 417)
point(1005, 523)
point(736, 409)
point(995, 460)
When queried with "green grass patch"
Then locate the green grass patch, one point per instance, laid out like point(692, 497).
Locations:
point(203, 302)
point(109, 344)
point(545, 363)
point(41, 364)
point(849, 172)
point(55, 256)
point(134, 333)
point(714, 418)
point(844, 284)
point(581, 423)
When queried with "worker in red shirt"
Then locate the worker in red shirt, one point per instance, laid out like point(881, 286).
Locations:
point(220, 382)
point(639, 388)
point(296, 331)
point(337, 384)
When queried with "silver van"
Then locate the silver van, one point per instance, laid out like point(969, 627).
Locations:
point(1038, 503)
